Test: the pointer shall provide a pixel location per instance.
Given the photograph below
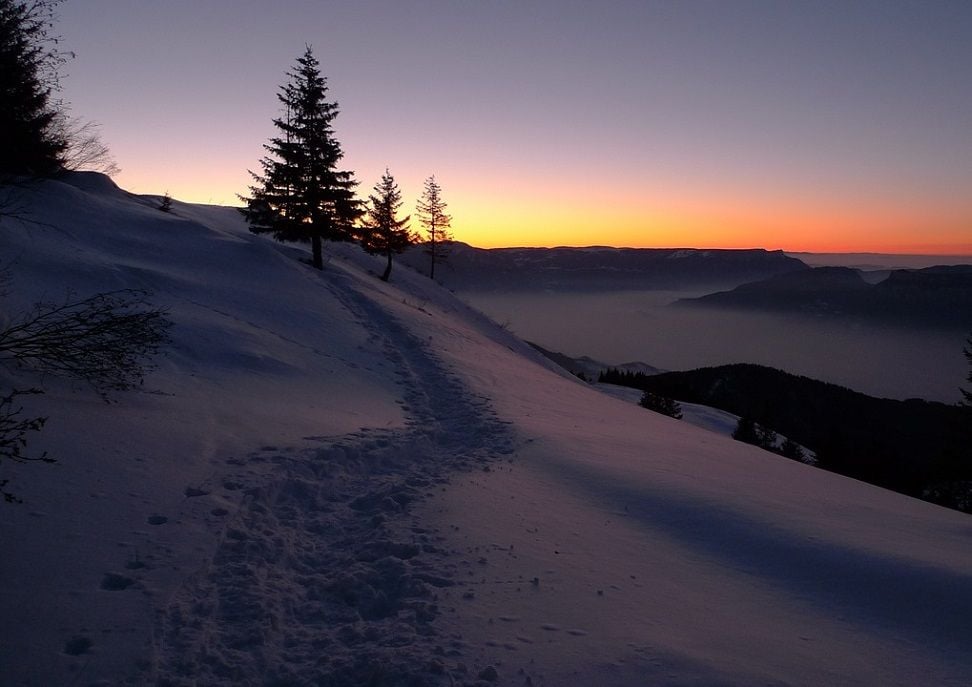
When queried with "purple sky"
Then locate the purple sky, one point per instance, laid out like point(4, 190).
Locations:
point(802, 125)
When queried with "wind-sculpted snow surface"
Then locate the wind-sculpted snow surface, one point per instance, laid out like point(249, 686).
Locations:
point(323, 577)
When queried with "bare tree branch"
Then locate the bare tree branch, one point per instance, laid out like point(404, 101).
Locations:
point(13, 436)
point(103, 340)
point(85, 150)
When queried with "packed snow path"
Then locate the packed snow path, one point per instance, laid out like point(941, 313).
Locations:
point(322, 576)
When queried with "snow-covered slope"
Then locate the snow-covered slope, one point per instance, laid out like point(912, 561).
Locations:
point(332, 480)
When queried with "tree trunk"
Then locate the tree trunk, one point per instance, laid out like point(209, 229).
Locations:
point(432, 271)
point(318, 253)
point(384, 277)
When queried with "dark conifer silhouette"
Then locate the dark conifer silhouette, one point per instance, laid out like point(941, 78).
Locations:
point(634, 380)
point(745, 431)
point(661, 404)
point(431, 215)
point(29, 61)
point(791, 449)
point(382, 232)
point(301, 195)
point(749, 432)
point(767, 439)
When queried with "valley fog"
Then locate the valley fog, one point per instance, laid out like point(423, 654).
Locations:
point(620, 327)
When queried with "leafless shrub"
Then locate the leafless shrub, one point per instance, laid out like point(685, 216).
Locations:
point(14, 429)
point(104, 340)
point(84, 150)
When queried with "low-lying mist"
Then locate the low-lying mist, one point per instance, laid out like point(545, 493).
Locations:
point(619, 327)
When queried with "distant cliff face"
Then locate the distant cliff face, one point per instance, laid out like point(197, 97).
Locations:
point(600, 268)
point(935, 296)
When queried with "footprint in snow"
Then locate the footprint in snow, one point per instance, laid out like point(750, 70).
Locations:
point(114, 582)
point(77, 645)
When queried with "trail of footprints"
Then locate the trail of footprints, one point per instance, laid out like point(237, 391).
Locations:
point(322, 576)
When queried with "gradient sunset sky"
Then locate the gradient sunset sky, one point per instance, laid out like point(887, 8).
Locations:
point(809, 126)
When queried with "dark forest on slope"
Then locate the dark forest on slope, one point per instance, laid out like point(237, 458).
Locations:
point(916, 447)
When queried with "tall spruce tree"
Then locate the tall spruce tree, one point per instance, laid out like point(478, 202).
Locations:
point(383, 233)
point(29, 61)
point(301, 195)
point(432, 216)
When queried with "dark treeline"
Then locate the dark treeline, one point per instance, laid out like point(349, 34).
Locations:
point(916, 447)
point(635, 380)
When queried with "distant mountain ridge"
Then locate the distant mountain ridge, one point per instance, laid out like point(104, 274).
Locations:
point(601, 268)
point(591, 368)
point(934, 296)
point(879, 262)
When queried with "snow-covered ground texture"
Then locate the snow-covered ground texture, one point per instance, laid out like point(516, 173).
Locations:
point(330, 480)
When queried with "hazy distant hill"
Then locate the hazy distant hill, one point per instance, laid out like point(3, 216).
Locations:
point(601, 268)
point(934, 296)
point(879, 262)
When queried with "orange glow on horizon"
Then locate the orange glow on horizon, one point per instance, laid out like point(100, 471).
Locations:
point(715, 225)
point(546, 215)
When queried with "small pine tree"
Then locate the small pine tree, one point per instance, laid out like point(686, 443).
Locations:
point(166, 203)
point(382, 232)
point(661, 404)
point(791, 449)
point(767, 438)
point(301, 195)
point(749, 432)
point(746, 431)
point(29, 65)
point(431, 215)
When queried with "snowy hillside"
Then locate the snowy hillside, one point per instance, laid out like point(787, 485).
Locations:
point(331, 480)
